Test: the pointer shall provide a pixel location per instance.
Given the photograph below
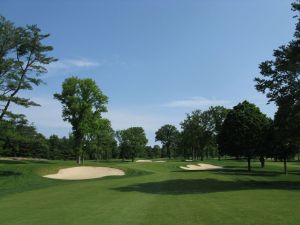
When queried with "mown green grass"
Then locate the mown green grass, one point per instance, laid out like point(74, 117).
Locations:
point(150, 194)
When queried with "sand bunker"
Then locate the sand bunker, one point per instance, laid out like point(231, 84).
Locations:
point(85, 172)
point(144, 160)
point(149, 160)
point(201, 166)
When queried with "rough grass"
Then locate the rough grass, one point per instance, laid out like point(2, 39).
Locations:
point(150, 194)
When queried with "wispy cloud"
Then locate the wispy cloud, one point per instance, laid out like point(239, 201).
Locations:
point(195, 102)
point(82, 63)
point(67, 64)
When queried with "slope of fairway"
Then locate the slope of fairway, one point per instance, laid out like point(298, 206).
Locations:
point(150, 193)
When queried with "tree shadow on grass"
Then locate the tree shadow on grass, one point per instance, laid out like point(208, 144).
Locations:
point(3, 161)
point(259, 173)
point(40, 161)
point(6, 173)
point(241, 172)
point(193, 186)
point(256, 173)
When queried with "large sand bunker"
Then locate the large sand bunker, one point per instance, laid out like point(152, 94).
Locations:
point(201, 166)
point(85, 172)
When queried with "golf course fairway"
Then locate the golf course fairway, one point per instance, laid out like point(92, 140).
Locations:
point(150, 194)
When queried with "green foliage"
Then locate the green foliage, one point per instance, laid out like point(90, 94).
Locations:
point(280, 82)
point(217, 115)
point(243, 131)
point(199, 130)
point(19, 139)
point(60, 148)
point(101, 143)
point(83, 102)
point(132, 142)
point(23, 58)
point(167, 135)
point(281, 76)
point(286, 133)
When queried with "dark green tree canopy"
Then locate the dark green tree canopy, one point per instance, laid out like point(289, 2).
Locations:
point(280, 81)
point(243, 130)
point(167, 135)
point(132, 141)
point(23, 58)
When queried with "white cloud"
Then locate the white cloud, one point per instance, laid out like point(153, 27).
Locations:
point(69, 64)
point(73, 64)
point(195, 102)
point(82, 63)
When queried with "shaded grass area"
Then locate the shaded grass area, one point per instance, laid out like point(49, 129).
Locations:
point(151, 193)
point(189, 186)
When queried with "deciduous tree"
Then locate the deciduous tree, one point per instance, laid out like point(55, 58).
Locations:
point(280, 81)
point(83, 102)
point(167, 135)
point(132, 141)
point(243, 131)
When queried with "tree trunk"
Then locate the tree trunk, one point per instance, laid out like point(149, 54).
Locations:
point(79, 160)
point(285, 165)
point(193, 154)
point(262, 161)
point(249, 164)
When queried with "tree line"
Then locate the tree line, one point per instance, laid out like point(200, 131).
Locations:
point(241, 132)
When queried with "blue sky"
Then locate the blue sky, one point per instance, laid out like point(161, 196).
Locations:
point(155, 60)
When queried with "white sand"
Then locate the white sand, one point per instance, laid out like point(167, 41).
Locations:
point(144, 160)
point(159, 161)
point(85, 172)
point(201, 166)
